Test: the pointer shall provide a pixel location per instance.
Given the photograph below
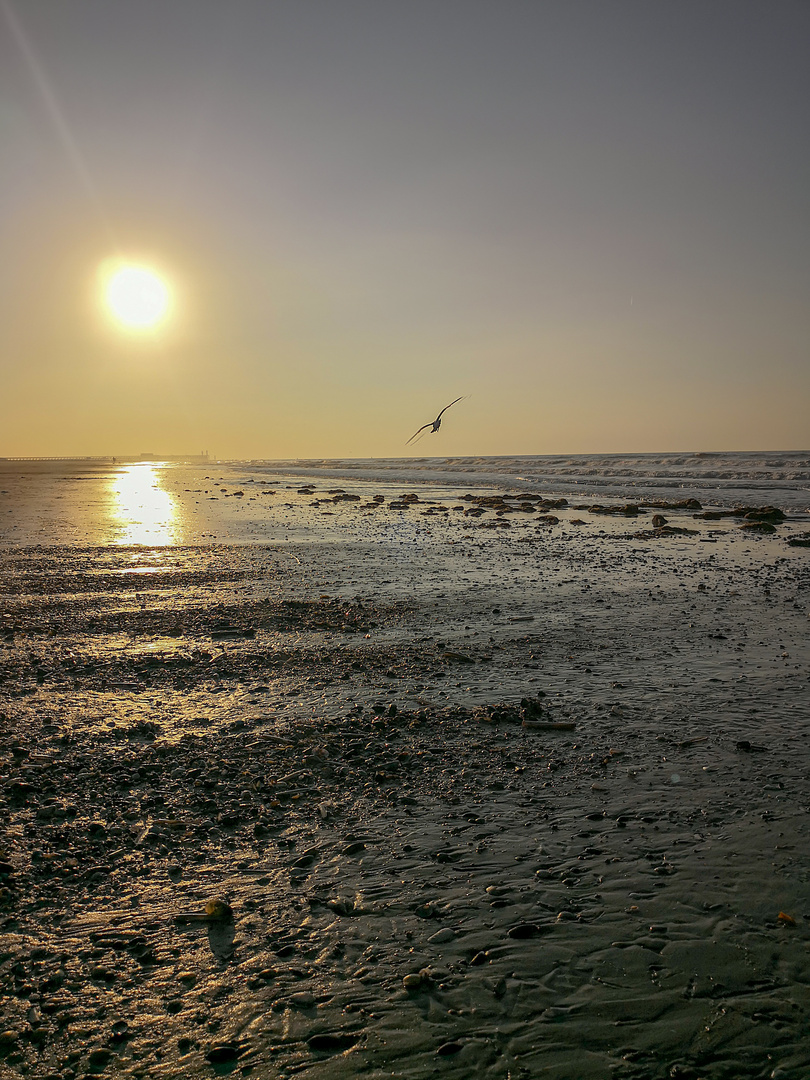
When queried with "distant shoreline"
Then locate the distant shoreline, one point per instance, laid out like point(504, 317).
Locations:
point(15, 464)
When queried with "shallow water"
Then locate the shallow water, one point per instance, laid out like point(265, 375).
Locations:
point(164, 504)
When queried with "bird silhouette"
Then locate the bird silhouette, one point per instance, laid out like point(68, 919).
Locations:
point(434, 425)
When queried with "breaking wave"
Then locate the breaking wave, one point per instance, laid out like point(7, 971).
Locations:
point(724, 479)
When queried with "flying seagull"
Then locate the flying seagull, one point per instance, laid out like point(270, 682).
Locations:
point(434, 425)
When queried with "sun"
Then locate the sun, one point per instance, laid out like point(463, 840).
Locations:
point(137, 297)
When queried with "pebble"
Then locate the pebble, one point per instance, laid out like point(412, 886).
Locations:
point(353, 849)
point(303, 1000)
point(442, 936)
point(222, 1053)
point(334, 1040)
point(525, 930)
point(99, 1058)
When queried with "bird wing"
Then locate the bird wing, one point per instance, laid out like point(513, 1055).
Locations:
point(422, 428)
point(444, 410)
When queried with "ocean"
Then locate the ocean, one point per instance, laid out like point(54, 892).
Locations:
point(778, 478)
point(173, 502)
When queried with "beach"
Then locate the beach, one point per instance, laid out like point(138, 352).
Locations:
point(491, 778)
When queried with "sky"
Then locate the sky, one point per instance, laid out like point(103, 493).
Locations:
point(590, 218)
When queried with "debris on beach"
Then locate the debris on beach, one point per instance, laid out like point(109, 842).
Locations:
point(660, 532)
point(626, 510)
point(758, 526)
point(215, 911)
point(760, 513)
point(529, 713)
point(672, 504)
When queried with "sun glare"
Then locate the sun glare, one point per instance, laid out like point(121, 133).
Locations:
point(143, 512)
point(137, 297)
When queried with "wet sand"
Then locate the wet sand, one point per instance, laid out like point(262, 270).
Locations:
point(426, 877)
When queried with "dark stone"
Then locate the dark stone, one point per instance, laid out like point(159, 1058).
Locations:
point(223, 1053)
point(331, 1041)
point(353, 849)
point(306, 860)
point(525, 930)
point(628, 510)
point(99, 1058)
point(759, 526)
point(759, 513)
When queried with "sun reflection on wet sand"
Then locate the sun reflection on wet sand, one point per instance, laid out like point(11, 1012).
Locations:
point(143, 512)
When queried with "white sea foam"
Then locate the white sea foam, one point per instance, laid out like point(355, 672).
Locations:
point(780, 478)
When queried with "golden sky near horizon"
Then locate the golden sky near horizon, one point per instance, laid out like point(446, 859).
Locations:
point(590, 220)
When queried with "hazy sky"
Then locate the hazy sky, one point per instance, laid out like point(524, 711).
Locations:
point(590, 216)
